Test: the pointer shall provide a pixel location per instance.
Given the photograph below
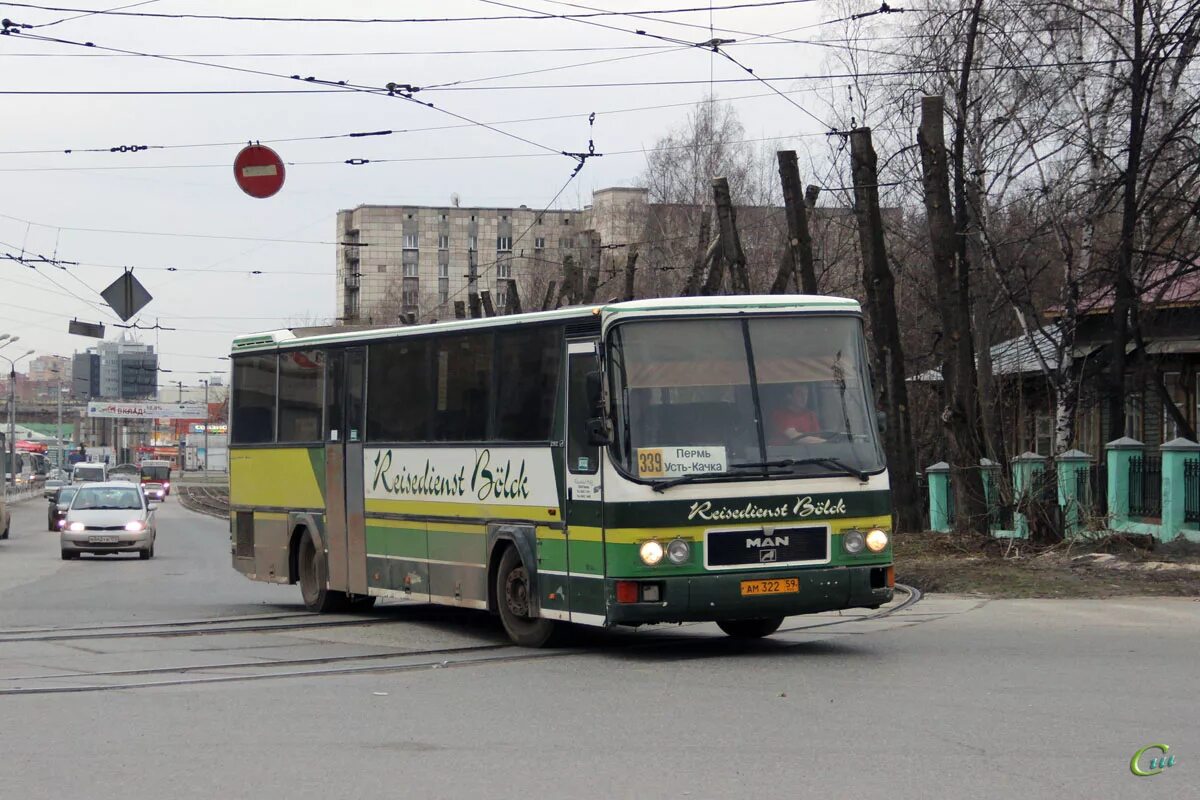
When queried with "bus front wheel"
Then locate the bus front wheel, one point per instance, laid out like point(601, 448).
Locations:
point(750, 628)
point(314, 581)
point(513, 597)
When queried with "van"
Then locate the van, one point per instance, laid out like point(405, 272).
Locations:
point(89, 472)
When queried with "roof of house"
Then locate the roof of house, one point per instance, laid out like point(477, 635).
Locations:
point(1166, 285)
point(1016, 356)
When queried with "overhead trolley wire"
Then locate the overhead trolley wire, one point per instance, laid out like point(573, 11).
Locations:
point(657, 12)
point(401, 91)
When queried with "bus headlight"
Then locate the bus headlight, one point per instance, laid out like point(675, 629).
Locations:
point(877, 540)
point(651, 552)
point(679, 551)
point(853, 542)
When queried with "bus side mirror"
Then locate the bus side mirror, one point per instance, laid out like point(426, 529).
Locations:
point(597, 432)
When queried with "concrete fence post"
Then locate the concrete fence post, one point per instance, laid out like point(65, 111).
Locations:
point(1069, 496)
point(1174, 495)
point(1118, 454)
point(1025, 471)
point(990, 474)
point(939, 496)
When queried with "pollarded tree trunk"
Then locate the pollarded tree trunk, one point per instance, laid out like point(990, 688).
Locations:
point(960, 415)
point(887, 353)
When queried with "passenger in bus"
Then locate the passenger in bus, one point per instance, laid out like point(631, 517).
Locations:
point(795, 421)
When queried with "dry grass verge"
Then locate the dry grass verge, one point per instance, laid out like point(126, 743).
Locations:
point(1111, 566)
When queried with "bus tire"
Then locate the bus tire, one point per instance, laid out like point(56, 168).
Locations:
point(512, 599)
point(314, 579)
point(750, 628)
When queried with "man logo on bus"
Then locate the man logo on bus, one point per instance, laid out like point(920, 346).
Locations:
point(1157, 764)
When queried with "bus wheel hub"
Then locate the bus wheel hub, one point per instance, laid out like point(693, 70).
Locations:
point(516, 592)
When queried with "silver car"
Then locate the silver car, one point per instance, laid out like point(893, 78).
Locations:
point(111, 517)
point(51, 487)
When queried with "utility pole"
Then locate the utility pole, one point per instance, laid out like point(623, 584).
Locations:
point(61, 455)
point(207, 417)
point(798, 260)
point(887, 353)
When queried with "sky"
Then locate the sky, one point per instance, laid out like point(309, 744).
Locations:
point(220, 263)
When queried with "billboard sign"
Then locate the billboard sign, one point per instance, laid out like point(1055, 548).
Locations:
point(103, 410)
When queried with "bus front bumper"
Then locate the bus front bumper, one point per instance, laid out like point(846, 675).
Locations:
point(697, 598)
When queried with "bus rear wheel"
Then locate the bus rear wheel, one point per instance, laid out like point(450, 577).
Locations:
point(314, 580)
point(513, 597)
point(750, 628)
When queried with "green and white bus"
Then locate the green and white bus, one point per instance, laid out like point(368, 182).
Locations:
point(668, 460)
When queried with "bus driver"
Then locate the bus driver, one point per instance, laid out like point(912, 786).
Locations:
point(795, 421)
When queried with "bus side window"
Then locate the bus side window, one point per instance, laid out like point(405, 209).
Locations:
point(581, 457)
point(253, 399)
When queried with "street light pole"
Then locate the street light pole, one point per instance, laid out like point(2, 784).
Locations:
point(11, 455)
point(207, 416)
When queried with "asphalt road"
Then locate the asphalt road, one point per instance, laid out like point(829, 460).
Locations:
point(177, 678)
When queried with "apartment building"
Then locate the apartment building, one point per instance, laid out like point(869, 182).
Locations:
point(397, 260)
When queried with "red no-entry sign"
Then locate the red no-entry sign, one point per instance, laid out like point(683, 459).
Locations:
point(258, 171)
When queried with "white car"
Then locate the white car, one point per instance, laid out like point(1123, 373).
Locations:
point(112, 517)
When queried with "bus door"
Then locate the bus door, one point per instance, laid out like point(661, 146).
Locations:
point(583, 505)
point(345, 527)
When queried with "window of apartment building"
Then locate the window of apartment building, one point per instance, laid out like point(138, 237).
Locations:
point(503, 243)
point(539, 243)
point(410, 241)
point(410, 292)
point(502, 294)
point(443, 290)
point(411, 270)
point(445, 217)
point(566, 220)
point(443, 241)
point(444, 270)
point(504, 268)
point(564, 243)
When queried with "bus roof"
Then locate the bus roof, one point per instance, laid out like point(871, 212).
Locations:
point(272, 340)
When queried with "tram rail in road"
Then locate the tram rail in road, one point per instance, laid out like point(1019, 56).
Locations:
point(390, 662)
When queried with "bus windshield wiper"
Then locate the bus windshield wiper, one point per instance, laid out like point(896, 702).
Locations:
point(734, 473)
point(836, 463)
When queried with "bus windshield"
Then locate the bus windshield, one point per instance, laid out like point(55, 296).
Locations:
point(706, 395)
